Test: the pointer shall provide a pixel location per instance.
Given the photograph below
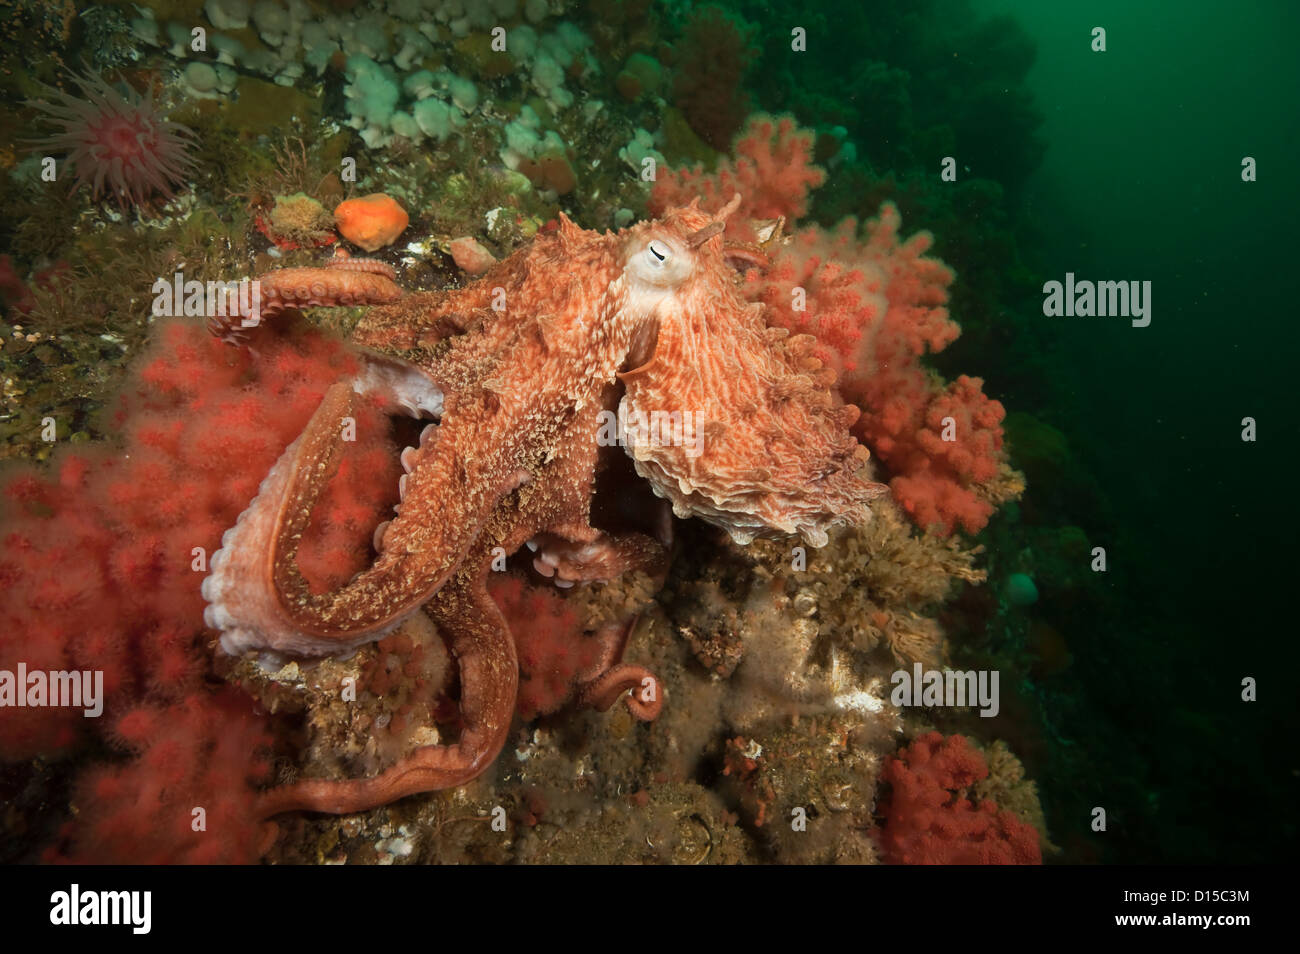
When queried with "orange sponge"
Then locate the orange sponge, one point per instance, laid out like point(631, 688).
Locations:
point(372, 221)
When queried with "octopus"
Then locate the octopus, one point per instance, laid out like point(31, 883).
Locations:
point(559, 353)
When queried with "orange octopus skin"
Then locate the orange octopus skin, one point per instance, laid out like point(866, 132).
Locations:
point(343, 281)
point(520, 368)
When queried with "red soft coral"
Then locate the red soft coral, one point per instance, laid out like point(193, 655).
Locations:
point(941, 453)
point(773, 171)
point(14, 292)
point(711, 58)
point(188, 796)
point(554, 652)
point(876, 304)
point(928, 819)
point(103, 559)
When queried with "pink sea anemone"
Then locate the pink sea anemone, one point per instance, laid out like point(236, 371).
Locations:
point(115, 141)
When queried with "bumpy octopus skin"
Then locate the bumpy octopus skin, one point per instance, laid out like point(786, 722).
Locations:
point(341, 282)
point(517, 369)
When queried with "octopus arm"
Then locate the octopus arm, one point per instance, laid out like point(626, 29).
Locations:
point(290, 289)
point(257, 595)
point(424, 319)
point(484, 649)
point(478, 637)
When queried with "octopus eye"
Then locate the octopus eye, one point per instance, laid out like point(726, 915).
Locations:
point(658, 253)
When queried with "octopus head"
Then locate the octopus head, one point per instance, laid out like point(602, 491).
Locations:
point(657, 260)
point(672, 257)
point(771, 451)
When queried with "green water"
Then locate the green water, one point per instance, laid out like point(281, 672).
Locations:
point(1126, 165)
point(1141, 178)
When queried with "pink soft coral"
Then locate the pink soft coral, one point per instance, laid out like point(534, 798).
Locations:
point(928, 819)
point(772, 171)
point(554, 653)
point(187, 797)
point(876, 305)
point(103, 555)
point(937, 475)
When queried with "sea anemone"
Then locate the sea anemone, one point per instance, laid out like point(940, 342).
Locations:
point(115, 141)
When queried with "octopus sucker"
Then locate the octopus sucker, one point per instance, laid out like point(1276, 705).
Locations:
point(516, 399)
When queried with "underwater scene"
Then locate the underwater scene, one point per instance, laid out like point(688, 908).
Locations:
point(647, 432)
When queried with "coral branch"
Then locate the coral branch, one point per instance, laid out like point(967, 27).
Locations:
point(930, 820)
